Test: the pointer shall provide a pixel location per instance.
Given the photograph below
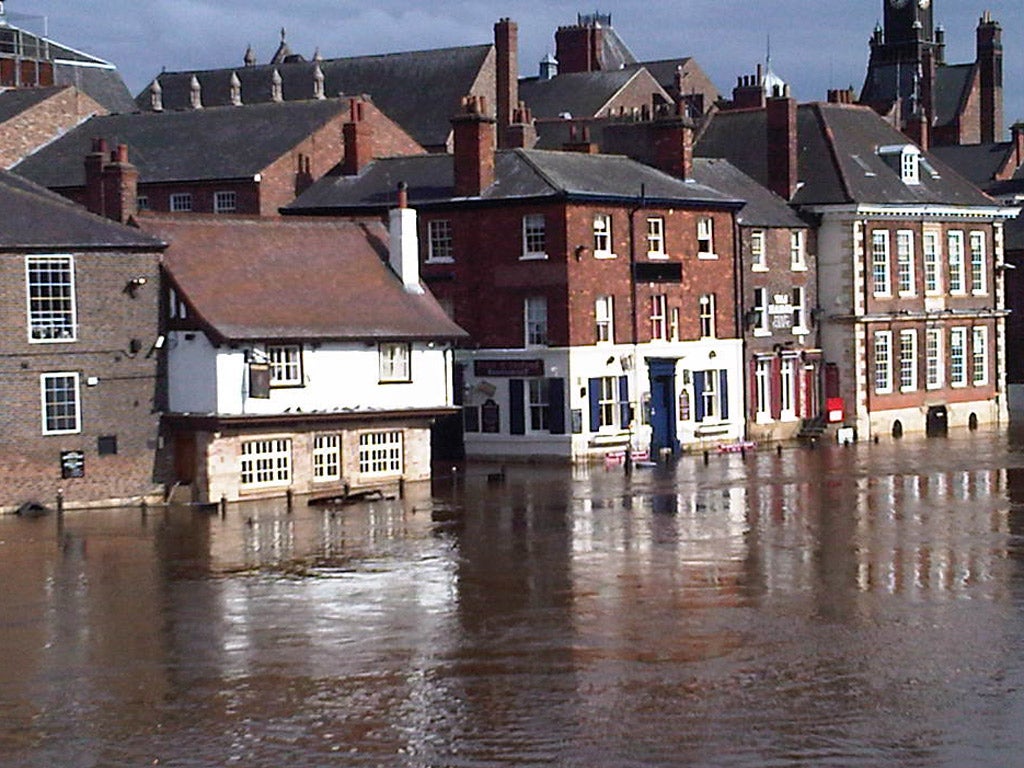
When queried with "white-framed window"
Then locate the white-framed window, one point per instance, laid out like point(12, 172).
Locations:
point(394, 362)
point(910, 166)
point(326, 458)
point(225, 201)
point(659, 317)
point(607, 401)
point(381, 453)
point(759, 311)
point(763, 388)
point(908, 360)
point(758, 252)
point(880, 280)
point(285, 365)
point(181, 202)
point(706, 238)
point(932, 263)
point(797, 250)
point(787, 387)
point(534, 236)
point(50, 288)
point(979, 356)
point(673, 324)
point(979, 282)
point(604, 314)
point(799, 304)
point(603, 236)
point(439, 241)
point(537, 404)
point(535, 313)
point(266, 462)
point(905, 262)
point(709, 394)
point(934, 373)
point(883, 362)
point(656, 237)
point(955, 248)
point(60, 397)
point(958, 357)
point(706, 313)
point(142, 203)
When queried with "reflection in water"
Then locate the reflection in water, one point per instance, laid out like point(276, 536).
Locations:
point(843, 606)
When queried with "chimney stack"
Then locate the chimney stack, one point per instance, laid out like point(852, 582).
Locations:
point(665, 143)
point(781, 128)
point(120, 186)
point(506, 45)
point(990, 67)
point(522, 134)
point(94, 161)
point(1017, 133)
point(474, 137)
point(358, 137)
point(404, 252)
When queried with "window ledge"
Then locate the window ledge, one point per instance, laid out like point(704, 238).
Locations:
point(761, 333)
point(798, 268)
point(707, 256)
point(533, 257)
point(759, 268)
point(444, 260)
point(657, 256)
point(604, 255)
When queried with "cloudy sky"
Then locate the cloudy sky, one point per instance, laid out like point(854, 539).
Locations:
point(815, 44)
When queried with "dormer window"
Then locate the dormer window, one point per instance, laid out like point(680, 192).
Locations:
point(905, 159)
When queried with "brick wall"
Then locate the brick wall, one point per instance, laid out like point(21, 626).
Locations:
point(120, 403)
point(43, 122)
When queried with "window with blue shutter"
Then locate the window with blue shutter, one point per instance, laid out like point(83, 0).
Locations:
point(594, 387)
point(516, 407)
point(698, 395)
point(556, 406)
point(723, 393)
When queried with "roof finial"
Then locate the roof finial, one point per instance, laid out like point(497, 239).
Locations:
point(283, 34)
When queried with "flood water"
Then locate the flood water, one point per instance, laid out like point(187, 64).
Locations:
point(859, 606)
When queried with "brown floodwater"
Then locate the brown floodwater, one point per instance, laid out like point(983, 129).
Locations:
point(859, 606)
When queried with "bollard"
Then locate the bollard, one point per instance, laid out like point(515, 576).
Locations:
point(223, 506)
point(743, 453)
point(60, 501)
point(778, 449)
point(289, 496)
point(707, 457)
point(401, 487)
point(144, 508)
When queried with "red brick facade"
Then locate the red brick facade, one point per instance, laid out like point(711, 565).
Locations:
point(43, 122)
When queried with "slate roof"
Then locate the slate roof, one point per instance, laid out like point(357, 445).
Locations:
point(763, 209)
point(34, 219)
point(294, 279)
point(838, 158)
point(419, 90)
point(952, 82)
point(91, 75)
point(581, 94)
point(187, 145)
point(979, 163)
point(519, 174)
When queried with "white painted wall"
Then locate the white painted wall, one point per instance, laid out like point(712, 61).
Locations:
point(336, 376)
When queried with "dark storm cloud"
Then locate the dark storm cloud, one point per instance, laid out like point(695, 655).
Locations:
point(814, 45)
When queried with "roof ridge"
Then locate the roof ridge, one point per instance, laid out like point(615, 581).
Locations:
point(830, 142)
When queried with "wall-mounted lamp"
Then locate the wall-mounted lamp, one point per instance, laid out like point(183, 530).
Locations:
point(133, 285)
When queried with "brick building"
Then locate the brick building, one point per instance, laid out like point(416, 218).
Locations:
point(777, 274)
point(418, 90)
point(297, 360)
point(246, 159)
point(79, 375)
point(910, 81)
point(32, 117)
point(909, 258)
point(29, 60)
point(598, 292)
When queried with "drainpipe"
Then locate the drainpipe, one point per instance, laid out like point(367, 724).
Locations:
point(633, 323)
point(739, 300)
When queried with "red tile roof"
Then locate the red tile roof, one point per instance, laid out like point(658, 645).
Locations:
point(293, 279)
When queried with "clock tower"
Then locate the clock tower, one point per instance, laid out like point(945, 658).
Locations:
point(908, 23)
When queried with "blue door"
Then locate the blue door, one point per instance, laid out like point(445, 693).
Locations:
point(663, 412)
